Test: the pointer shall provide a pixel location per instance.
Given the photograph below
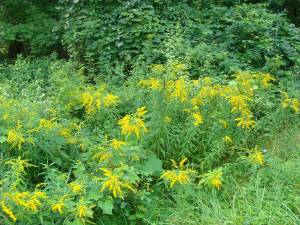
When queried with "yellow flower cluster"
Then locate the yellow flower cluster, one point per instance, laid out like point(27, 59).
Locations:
point(67, 134)
point(92, 101)
point(114, 183)
point(256, 156)
point(134, 124)
point(8, 211)
point(213, 178)
point(197, 93)
point(117, 144)
point(179, 174)
point(76, 187)
point(27, 200)
point(15, 138)
point(152, 83)
point(291, 103)
point(58, 207)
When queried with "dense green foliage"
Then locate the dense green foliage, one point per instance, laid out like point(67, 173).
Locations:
point(149, 112)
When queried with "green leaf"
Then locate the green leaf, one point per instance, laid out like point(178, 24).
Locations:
point(2, 139)
point(107, 206)
point(151, 165)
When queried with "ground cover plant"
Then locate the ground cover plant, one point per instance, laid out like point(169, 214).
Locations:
point(182, 112)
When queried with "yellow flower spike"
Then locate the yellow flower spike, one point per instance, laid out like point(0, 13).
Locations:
point(58, 207)
point(286, 103)
point(47, 124)
point(182, 162)
point(76, 187)
point(141, 111)
point(133, 124)
point(114, 184)
point(216, 182)
point(15, 138)
point(257, 156)
point(110, 100)
point(295, 105)
point(245, 122)
point(117, 144)
point(213, 178)
point(227, 139)
point(28, 200)
point(173, 176)
point(101, 156)
point(180, 90)
point(83, 211)
point(87, 101)
point(178, 175)
point(198, 119)
point(239, 102)
point(8, 211)
point(207, 80)
point(152, 83)
point(174, 163)
point(98, 103)
point(266, 79)
point(67, 134)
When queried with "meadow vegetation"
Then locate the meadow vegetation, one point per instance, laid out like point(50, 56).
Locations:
point(149, 112)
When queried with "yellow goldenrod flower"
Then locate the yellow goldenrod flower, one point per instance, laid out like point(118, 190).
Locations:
point(239, 102)
point(67, 134)
point(196, 101)
point(227, 139)
point(58, 207)
point(174, 176)
point(292, 103)
point(257, 157)
point(87, 100)
point(152, 83)
point(8, 211)
point(47, 124)
point(27, 200)
point(213, 178)
point(117, 144)
point(168, 119)
point(295, 105)
point(98, 103)
point(133, 124)
point(83, 211)
point(15, 138)
point(245, 122)
point(76, 187)
point(180, 90)
point(216, 182)
point(207, 80)
point(141, 111)
point(110, 100)
point(101, 156)
point(114, 183)
point(178, 175)
point(266, 78)
point(198, 119)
